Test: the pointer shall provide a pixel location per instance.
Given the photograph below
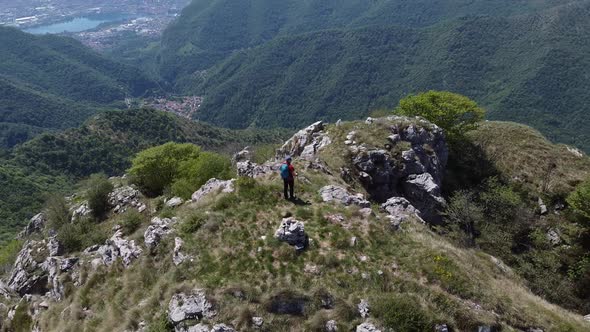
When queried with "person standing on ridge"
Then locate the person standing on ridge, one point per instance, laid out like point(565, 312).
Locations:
point(288, 175)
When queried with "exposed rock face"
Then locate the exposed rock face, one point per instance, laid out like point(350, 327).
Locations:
point(53, 246)
point(116, 247)
point(339, 194)
point(174, 202)
point(243, 155)
point(422, 190)
point(193, 305)
point(415, 175)
point(222, 328)
point(305, 143)
point(400, 210)
point(35, 225)
point(156, 230)
point(197, 328)
point(213, 185)
point(253, 170)
point(26, 277)
point(124, 197)
point(367, 327)
point(293, 232)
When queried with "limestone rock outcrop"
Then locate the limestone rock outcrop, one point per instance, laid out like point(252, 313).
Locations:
point(293, 232)
point(213, 185)
point(305, 143)
point(192, 305)
point(341, 195)
point(156, 230)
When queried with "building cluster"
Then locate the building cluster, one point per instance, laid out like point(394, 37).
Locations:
point(184, 106)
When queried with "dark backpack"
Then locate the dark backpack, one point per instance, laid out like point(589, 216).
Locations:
point(285, 171)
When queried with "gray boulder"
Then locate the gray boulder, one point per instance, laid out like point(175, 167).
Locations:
point(156, 230)
point(80, 211)
point(53, 246)
point(193, 305)
point(174, 202)
point(257, 322)
point(213, 185)
point(367, 327)
point(243, 155)
point(222, 328)
point(331, 326)
point(293, 232)
point(553, 237)
point(196, 328)
point(341, 195)
point(441, 328)
point(587, 318)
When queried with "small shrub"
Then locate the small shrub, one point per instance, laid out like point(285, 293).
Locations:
point(131, 221)
point(80, 234)
point(97, 194)
point(21, 322)
point(579, 200)
point(193, 223)
point(402, 313)
point(8, 255)
point(57, 211)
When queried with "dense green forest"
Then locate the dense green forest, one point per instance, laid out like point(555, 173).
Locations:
point(106, 143)
point(285, 63)
point(53, 82)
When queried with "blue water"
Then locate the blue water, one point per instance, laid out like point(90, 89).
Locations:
point(74, 25)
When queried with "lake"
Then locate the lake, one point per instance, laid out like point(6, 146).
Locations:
point(75, 25)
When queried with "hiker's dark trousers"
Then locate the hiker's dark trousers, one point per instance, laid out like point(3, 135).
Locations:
point(288, 185)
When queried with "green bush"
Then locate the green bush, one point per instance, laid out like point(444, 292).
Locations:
point(8, 255)
point(97, 194)
point(579, 200)
point(57, 211)
point(80, 234)
point(182, 168)
point(401, 313)
point(193, 223)
point(21, 322)
point(464, 212)
point(131, 221)
point(156, 168)
point(455, 113)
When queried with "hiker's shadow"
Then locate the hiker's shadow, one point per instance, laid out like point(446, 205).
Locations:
point(299, 201)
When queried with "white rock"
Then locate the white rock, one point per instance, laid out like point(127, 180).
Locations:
point(367, 327)
point(193, 305)
point(213, 185)
point(174, 202)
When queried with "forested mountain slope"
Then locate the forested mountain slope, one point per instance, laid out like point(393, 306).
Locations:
point(104, 144)
point(54, 82)
point(286, 63)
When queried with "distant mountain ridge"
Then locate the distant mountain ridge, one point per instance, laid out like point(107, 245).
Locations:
point(54, 82)
point(286, 64)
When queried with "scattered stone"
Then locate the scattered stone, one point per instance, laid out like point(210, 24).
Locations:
point(213, 185)
point(553, 237)
point(116, 247)
point(156, 230)
point(311, 269)
point(293, 232)
point(178, 257)
point(331, 326)
point(587, 318)
point(369, 120)
point(534, 329)
point(575, 152)
point(197, 328)
point(441, 328)
point(81, 211)
point(366, 212)
point(174, 202)
point(123, 197)
point(367, 327)
point(542, 207)
point(363, 308)
point(193, 305)
point(339, 194)
point(257, 322)
point(353, 241)
point(222, 328)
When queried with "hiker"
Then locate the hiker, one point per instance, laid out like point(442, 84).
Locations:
point(288, 174)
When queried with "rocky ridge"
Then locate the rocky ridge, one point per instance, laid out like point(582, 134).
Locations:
point(404, 177)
